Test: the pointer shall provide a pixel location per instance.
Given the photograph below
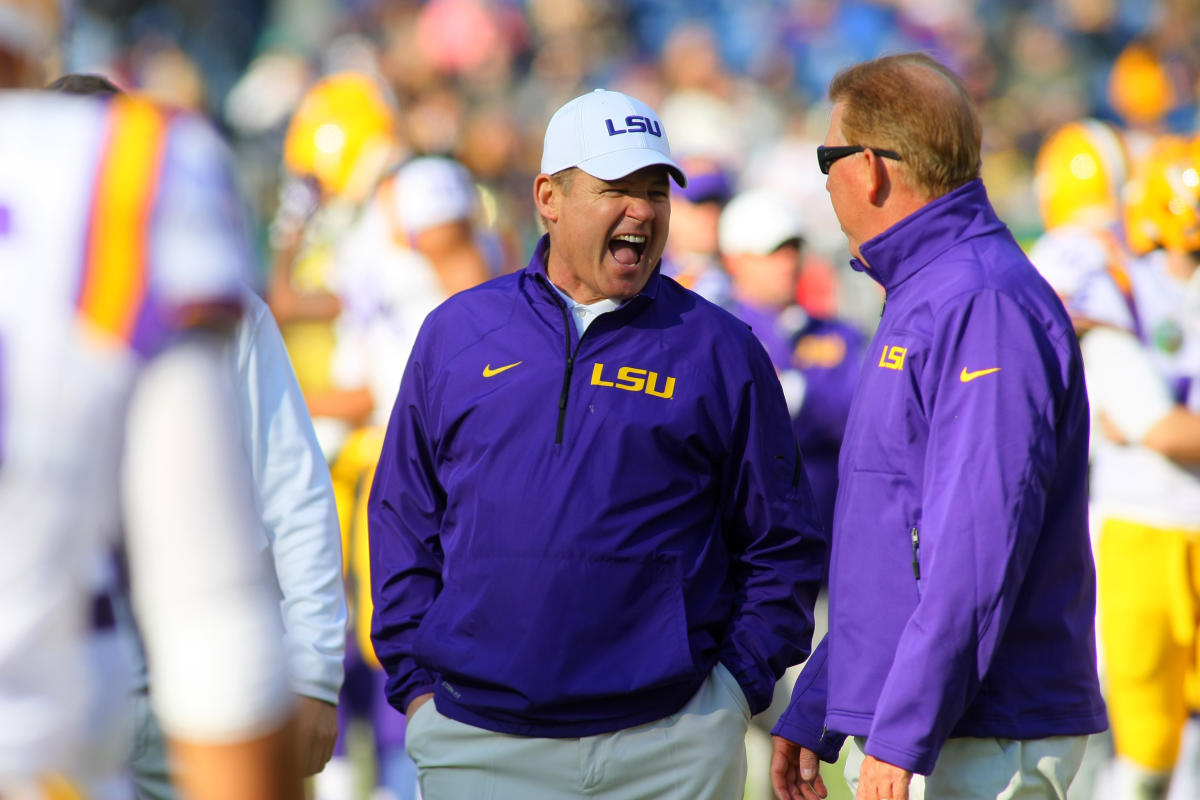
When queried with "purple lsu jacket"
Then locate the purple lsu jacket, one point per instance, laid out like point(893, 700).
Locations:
point(962, 588)
point(566, 533)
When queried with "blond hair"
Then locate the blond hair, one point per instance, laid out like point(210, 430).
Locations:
point(913, 105)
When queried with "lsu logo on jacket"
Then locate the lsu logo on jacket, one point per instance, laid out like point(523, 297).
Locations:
point(893, 357)
point(634, 379)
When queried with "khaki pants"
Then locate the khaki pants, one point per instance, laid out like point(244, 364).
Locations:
point(697, 753)
point(981, 769)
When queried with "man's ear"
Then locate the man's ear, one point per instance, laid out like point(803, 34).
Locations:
point(545, 196)
point(878, 181)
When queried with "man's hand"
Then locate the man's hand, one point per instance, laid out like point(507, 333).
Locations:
point(416, 703)
point(316, 734)
point(794, 772)
point(879, 780)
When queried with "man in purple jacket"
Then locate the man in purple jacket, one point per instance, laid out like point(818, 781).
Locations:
point(962, 590)
point(592, 542)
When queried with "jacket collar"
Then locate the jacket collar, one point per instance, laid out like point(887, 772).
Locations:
point(913, 242)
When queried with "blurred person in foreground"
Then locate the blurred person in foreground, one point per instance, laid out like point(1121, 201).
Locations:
point(962, 588)
point(592, 542)
point(116, 414)
point(817, 359)
point(302, 551)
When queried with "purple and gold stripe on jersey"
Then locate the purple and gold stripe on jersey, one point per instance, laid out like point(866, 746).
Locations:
point(114, 288)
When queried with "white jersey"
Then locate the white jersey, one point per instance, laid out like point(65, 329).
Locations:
point(1131, 481)
point(1135, 377)
point(386, 285)
point(120, 231)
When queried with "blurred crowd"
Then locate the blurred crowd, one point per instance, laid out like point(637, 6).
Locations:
point(739, 82)
point(740, 87)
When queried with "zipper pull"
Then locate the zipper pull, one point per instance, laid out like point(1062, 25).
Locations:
point(916, 544)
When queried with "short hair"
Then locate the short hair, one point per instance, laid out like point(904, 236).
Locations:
point(913, 105)
point(80, 83)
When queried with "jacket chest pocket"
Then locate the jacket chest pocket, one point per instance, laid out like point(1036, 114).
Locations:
point(887, 427)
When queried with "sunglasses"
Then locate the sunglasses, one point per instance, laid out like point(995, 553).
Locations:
point(827, 155)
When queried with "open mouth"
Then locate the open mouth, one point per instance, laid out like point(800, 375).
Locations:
point(627, 248)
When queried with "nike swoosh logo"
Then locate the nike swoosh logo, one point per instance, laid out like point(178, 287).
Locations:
point(967, 377)
point(489, 372)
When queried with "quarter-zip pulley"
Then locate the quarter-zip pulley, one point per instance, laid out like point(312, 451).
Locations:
point(916, 546)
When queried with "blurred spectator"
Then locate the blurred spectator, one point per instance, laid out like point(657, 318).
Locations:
point(396, 238)
point(817, 359)
point(692, 255)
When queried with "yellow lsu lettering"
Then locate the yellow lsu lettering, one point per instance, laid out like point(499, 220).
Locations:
point(633, 379)
point(893, 357)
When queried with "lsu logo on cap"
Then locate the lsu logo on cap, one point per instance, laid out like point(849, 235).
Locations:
point(636, 124)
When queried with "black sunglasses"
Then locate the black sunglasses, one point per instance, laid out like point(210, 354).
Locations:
point(827, 155)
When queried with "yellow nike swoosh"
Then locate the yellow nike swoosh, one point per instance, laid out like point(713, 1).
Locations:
point(489, 372)
point(967, 377)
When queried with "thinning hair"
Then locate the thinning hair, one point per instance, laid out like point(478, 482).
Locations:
point(84, 83)
point(913, 105)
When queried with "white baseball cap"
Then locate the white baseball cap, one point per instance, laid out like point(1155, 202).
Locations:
point(608, 135)
point(758, 221)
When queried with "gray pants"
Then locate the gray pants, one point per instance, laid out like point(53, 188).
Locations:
point(698, 753)
point(149, 760)
point(1004, 769)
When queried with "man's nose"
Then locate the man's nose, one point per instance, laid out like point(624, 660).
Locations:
point(639, 208)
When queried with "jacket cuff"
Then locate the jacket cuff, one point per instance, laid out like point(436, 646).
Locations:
point(803, 721)
point(759, 689)
point(425, 685)
point(905, 759)
point(827, 745)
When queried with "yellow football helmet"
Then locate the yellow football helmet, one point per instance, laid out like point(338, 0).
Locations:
point(1162, 201)
point(1078, 175)
point(343, 133)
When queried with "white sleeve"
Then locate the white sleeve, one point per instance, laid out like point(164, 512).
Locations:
point(433, 191)
point(200, 243)
point(295, 504)
point(1123, 382)
point(212, 635)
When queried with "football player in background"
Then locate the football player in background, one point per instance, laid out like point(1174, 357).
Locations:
point(1143, 376)
point(369, 239)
